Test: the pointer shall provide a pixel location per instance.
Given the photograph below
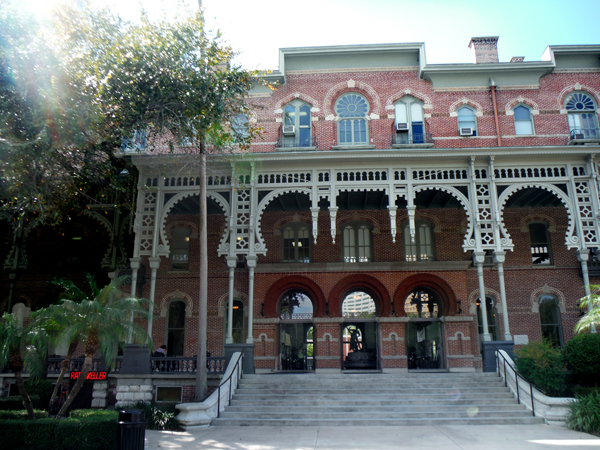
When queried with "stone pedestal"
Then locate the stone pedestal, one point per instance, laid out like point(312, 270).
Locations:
point(247, 350)
point(489, 353)
point(133, 390)
point(136, 360)
point(99, 394)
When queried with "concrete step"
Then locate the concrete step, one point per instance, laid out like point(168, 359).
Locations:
point(286, 403)
point(372, 415)
point(368, 408)
point(381, 422)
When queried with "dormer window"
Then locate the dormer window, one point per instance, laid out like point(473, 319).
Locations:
point(352, 110)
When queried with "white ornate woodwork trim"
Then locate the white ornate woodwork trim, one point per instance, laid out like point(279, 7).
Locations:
point(469, 241)
point(259, 245)
point(571, 240)
point(164, 247)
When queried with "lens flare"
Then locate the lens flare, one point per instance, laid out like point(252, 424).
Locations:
point(472, 411)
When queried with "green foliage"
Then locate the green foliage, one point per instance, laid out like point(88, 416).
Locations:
point(40, 388)
point(581, 356)
point(22, 346)
point(541, 364)
point(21, 414)
point(69, 434)
point(94, 413)
point(585, 413)
point(591, 305)
point(159, 417)
point(15, 403)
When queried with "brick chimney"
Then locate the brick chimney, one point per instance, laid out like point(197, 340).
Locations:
point(484, 49)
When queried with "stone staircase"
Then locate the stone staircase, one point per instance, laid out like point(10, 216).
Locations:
point(373, 399)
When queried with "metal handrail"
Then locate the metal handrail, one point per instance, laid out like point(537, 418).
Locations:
point(517, 376)
point(240, 374)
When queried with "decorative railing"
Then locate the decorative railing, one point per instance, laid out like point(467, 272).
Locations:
point(585, 133)
point(75, 365)
point(293, 142)
point(412, 138)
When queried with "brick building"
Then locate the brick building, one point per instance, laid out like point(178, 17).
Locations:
point(386, 199)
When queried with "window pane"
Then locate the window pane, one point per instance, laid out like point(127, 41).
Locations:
point(358, 305)
point(523, 127)
point(522, 113)
point(290, 115)
point(416, 112)
point(349, 245)
point(401, 116)
point(304, 116)
point(296, 305)
point(410, 249)
point(176, 314)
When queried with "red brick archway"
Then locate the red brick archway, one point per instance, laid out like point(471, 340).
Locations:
point(359, 283)
point(441, 288)
point(299, 283)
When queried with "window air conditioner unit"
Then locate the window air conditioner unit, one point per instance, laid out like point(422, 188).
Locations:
point(466, 131)
point(578, 136)
point(289, 130)
point(401, 127)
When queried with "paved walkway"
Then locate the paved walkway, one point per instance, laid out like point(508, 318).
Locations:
point(493, 437)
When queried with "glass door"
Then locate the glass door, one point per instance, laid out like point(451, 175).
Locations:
point(424, 344)
point(296, 346)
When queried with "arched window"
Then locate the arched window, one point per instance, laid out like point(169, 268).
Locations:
point(359, 305)
point(296, 126)
point(237, 329)
point(581, 110)
point(176, 328)
point(423, 304)
point(240, 128)
point(550, 319)
point(179, 259)
point(540, 244)
point(492, 318)
point(295, 243)
point(352, 109)
point(409, 121)
point(523, 121)
point(423, 249)
point(357, 242)
point(295, 305)
point(467, 122)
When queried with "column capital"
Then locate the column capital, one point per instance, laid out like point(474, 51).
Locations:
point(135, 263)
point(479, 257)
point(251, 261)
point(499, 257)
point(232, 262)
point(582, 254)
point(154, 263)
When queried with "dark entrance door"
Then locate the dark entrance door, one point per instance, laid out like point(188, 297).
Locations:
point(359, 345)
point(296, 346)
point(424, 344)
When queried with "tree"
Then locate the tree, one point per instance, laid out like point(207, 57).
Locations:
point(170, 82)
point(52, 146)
point(591, 304)
point(101, 323)
point(23, 346)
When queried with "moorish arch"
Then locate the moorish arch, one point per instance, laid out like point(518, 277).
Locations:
point(351, 86)
point(176, 295)
point(469, 243)
point(291, 97)
point(575, 87)
point(360, 282)
point(294, 283)
point(427, 103)
point(571, 240)
point(429, 281)
point(163, 248)
point(260, 245)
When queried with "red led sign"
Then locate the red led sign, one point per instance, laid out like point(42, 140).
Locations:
point(90, 376)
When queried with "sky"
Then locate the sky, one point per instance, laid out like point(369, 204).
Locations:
point(258, 28)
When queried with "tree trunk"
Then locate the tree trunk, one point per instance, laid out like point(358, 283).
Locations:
point(63, 369)
point(87, 365)
point(201, 382)
point(24, 395)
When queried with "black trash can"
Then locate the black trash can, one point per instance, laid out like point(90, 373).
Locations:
point(131, 430)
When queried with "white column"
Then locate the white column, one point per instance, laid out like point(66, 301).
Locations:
point(479, 258)
point(231, 263)
point(154, 265)
point(251, 261)
point(499, 258)
point(315, 222)
point(333, 213)
point(393, 209)
point(135, 266)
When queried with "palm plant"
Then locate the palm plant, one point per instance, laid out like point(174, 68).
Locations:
point(101, 323)
point(591, 319)
point(22, 346)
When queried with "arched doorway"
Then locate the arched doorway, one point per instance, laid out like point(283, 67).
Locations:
point(359, 332)
point(296, 344)
point(424, 334)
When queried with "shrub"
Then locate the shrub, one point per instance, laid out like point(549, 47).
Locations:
point(159, 417)
point(50, 434)
point(584, 413)
point(22, 414)
point(15, 403)
point(541, 364)
point(41, 388)
point(581, 356)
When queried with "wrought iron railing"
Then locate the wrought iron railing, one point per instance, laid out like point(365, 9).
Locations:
point(292, 142)
point(412, 138)
point(585, 133)
point(516, 378)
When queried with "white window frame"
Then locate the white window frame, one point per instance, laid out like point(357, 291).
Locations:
point(295, 228)
point(352, 122)
point(415, 252)
point(295, 122)
point(405, 105)
point(576, 116)
point(354, 248)
point(522, 122)
point(465, 123)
